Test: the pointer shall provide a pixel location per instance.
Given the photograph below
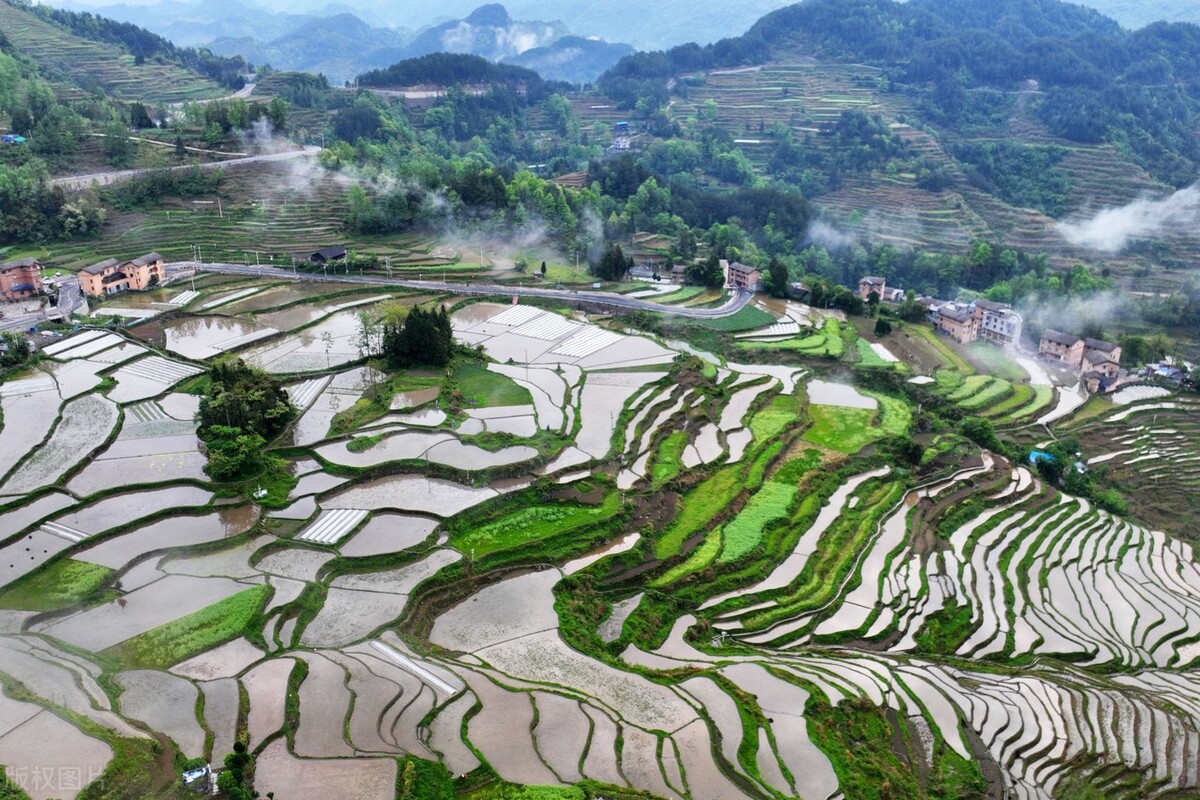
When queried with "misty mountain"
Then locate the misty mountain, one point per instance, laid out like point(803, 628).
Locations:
point(487, 31)
point(572, 59)
point(343, 45)
point(1139, 13)
point(338, 47)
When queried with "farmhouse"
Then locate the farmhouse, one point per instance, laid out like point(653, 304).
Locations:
point(743, 277)
point(956, 322)
point(871, 283)
point(20, 279)
point(328, 254)
point(112, 276)
point(998, 323)
point(1061, 347)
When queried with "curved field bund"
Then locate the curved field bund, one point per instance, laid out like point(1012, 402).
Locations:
point(773, 593)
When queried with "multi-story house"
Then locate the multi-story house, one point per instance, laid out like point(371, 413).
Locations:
point(112, 276)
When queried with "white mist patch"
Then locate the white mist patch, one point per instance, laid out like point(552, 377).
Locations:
point(1112, 228)
point(827, 236)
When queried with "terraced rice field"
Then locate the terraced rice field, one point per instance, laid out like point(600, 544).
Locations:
point(75, 62)
point(596, 561)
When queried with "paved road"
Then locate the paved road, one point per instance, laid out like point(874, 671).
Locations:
point(609, 299)
point(70, 297)
point(104, 178)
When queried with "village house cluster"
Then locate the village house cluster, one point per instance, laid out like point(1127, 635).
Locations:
point(1097, 361)
point(996, 323)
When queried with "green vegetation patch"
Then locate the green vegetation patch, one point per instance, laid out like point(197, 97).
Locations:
point(744, 533)
point(748, 319)
point(879, 772)
point(846, 430)
point(10, 790)
point(61, 585)
point(189, 636)
point(970, 388)
point(1042, 397)
point(513, 791)
point(994, 392)
point(867, 357)
point(481, 388)
point(418, 779)
point(700, 558)
point(775, 418)
point(701, 505)
point(669, 458)
point(946, 630)
point(532, 524)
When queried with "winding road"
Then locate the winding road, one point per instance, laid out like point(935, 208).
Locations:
point(76, 182)
point(608, 299)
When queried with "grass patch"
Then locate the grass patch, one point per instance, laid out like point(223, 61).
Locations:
point(748, 319)
point(61, 585)
point(189, 636)
point(744, 533)
point(997, 390)
point(700, 558)
point(680, 296)
point(481, 388)
point(969, 388)
point(867, 357)
point(1042, 396)
point(945, 631)
point(846, 430)
point(669, 458)
point(532, 524)
point(940, 346)
point(701, 505)
point(775, 418)
point(878, 772)
point(994, 361)
point(1022, 394)
point(513, 791)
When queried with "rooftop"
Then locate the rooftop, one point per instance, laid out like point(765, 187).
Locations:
point(989, 305)
point(742, 268)
point(99, 267)
point(873, 280)
point(954, 314)
point(149, 258)
point(1099, 344)
point(1099, 357)
point(1058, 337)
point(19, 263)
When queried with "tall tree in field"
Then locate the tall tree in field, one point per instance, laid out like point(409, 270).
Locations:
point(244, 398)
point(613, 265)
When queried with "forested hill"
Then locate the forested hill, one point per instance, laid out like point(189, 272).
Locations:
point(1097, 82)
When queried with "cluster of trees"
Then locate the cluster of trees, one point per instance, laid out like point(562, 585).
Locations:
point(1026, 176)
point(410, 337)
point(144, 45)
point(149, 187)
point(242, 409)
point(32, 210)
point(613, 264)
point(235, 780)
point(14, 350)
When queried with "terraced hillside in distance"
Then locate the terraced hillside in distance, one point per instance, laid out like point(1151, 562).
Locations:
point(75, 65)
point(805, 96)
point(751, 557)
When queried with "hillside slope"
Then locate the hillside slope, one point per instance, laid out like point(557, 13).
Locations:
point(75, 65)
